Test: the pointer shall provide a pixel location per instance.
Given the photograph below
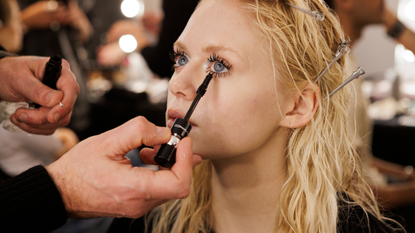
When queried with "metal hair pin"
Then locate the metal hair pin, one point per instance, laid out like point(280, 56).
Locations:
point(316, 15)
point(354, 76)
point(342, 50)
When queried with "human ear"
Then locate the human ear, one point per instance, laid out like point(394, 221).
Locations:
point(303, 107)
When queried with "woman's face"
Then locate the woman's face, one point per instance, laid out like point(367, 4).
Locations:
point(11, 34)
point(239, 113)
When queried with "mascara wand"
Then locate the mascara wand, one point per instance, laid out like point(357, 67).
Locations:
point(166, 155)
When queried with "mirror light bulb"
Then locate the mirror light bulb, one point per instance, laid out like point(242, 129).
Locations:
point(132, 8)
point(128, 43)
point(410, 10)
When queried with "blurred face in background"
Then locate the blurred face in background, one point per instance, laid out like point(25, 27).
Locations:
point(11, 32)
point(368, 11)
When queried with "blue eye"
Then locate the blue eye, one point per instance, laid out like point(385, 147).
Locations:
point(182, 60)
point(179, 58)
point(219, 67)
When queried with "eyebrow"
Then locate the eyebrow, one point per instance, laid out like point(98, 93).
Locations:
point(209, 48)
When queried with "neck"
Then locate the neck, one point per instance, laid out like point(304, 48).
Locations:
point(246, 188)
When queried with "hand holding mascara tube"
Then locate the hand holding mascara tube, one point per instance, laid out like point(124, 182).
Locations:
point(19, 82)
point(52, 73)
point(166, 155)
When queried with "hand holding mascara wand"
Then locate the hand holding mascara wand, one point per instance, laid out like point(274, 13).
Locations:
point(166, 155)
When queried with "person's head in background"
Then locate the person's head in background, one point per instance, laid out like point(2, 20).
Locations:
point(11, 31)
point(354, 15)
point(274, 147)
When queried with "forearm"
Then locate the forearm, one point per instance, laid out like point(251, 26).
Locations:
point(30, 202)
point(396, 195)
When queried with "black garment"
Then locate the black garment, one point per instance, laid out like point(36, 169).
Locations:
point(176, 15)
point(30, 202)
point(351, 220)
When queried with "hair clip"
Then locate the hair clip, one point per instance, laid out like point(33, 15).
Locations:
point(342, 50)
point(314, 14)
point(354, 76)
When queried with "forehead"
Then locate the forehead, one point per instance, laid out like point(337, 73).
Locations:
point(220, 22)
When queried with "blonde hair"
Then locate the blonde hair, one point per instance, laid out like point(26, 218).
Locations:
point(322, 165)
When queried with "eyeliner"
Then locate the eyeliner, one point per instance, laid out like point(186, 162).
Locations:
point(166, 155)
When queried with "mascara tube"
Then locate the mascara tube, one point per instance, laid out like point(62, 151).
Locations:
point(166, 155)
point(52, 73)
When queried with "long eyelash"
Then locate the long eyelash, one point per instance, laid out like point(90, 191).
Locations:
point(215, 58)
point(173, 54)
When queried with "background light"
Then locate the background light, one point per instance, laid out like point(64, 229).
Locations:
point(132, 8)
point(128, 43)
point(410, 10)
point(409, 56)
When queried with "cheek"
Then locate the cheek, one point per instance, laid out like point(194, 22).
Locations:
point(238, 125)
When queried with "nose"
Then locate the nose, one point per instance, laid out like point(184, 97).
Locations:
point(183, 84)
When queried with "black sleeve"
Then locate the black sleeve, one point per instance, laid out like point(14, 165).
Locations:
point(355, 220)
point(30, 202)
point(127, 225)
point(176, 15)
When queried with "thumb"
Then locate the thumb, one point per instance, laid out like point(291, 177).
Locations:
point(35, 90)
point(135, 133)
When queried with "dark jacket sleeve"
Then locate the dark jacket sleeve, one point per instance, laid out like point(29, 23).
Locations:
point(30, 202)
point(176, 15)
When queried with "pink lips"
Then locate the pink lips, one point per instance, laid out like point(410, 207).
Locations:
point(172, 115)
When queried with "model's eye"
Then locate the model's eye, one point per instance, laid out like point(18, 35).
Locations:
point(182, 60)
point(219, 67)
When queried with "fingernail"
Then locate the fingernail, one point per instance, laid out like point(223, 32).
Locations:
point(23, 118)
point(56, 117)
point(161, 131)
point(50, 95)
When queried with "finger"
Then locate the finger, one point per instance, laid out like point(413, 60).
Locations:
point(147, 155)
point(39, 117)
point(35, 90)
point(69, 87)
point(48, 127)
point(30, 129)
point(184, 161)
point(136, 132)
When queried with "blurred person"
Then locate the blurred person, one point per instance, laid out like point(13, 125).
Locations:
point(93, 179)
point(354, 16)
point(167, 29)
point(11, 31)
point(61, 27)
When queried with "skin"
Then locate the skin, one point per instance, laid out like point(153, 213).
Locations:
point(11, 34)
point(94, 178)
point(27, 70)
point(239, 123)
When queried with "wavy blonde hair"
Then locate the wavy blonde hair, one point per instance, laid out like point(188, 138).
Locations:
point(322, 165)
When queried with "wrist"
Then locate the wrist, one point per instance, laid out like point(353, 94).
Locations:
point(396, 30)
point(57, 176)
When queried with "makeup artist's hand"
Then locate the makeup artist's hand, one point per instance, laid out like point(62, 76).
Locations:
point(20, 81)
point(95, 179)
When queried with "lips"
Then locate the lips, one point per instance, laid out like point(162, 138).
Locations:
point(172, 115)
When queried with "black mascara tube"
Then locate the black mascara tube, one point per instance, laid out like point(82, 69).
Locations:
point(52, 73)
point(166, 155)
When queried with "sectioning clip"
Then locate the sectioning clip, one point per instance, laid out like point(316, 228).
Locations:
point(342, 50)
point(354, 76)
point(314, 14)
